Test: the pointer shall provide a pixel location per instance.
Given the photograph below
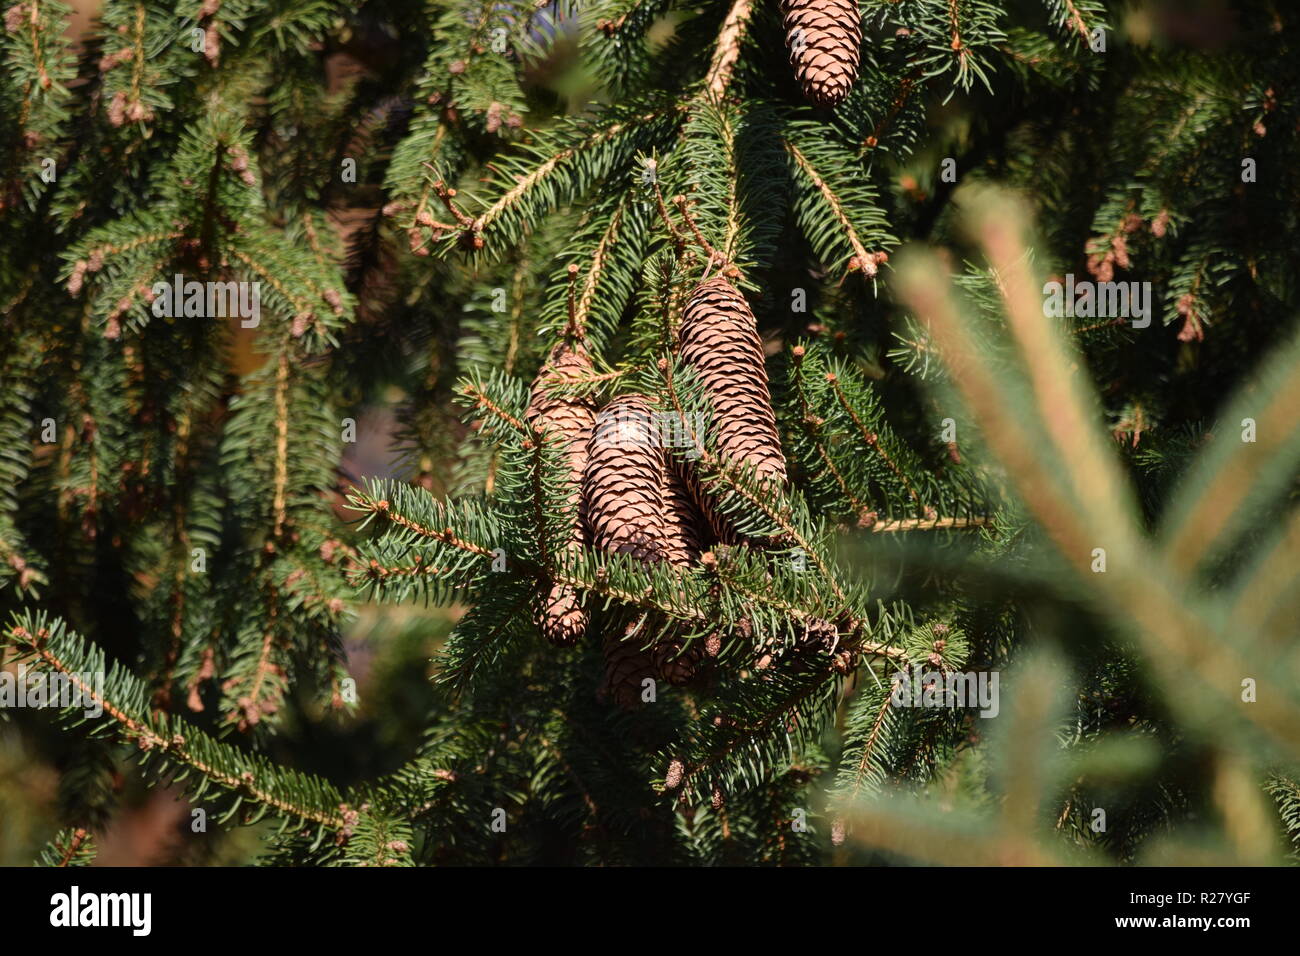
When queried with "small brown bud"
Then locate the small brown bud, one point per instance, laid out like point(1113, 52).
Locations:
point(673, 778)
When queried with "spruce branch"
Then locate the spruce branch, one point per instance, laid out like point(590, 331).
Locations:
point(727, 50)
point(870, 438)
point(179, 746)
point(930, 524)
point(72, 847)
point(858, 259)
point(756, 496)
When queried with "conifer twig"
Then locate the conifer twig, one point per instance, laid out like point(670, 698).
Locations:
point(931, 524)
point(727, 50)
point(175, 747)
point(861, 259)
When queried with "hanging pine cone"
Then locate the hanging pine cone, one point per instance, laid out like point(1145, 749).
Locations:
point(624, 483)
point(635, 503)
point(570, 417)
point(561, 615)
point(627, 665)
point(719, 341)
point(819, 640)
point(683, 533)
point(676, 661)
point(569, 420)
point(824, 38)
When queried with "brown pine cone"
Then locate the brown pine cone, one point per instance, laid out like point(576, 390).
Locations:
point(824, 38)
point(568, 419)
point(684, 533)
point(635, 503)
point(720, 342)
point(676, 662)
point(627, 665)
point(624, 483)
point(561, 616)
point(821, 639)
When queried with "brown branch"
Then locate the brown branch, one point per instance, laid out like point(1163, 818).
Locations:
point(446, 536)
point(482, 401)
point(727, 51)
point(905, 89)
point(278, 505)
point(930, 524)
point(79, 836)
point(715, 257)
point(861, 259)
point(1075, 16)
point(869, 746)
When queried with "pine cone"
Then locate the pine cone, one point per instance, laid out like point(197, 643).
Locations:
point(683, 533)
point(627, 665)
point(719, 340)
point(824, 37)
point(567, 419)
point(677, 663)
point(624, 484)
point(823, 638)
point(560, 615)
point(635, 503)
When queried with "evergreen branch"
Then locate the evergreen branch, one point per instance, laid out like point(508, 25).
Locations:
point(72, 847)
point(370, 502)
point(811, 425)
point(1259, 593)
point(868, 727)
point(1165, 618)
point(783, 703)
point(714, 256)
point(727, 50)
point(951, 839)
point(931, 524)
point(1062, 401)
point(540, 175)
point(481, 399)
point(290, 795)
point(760, 499)
point(827, 199)
point(281, 480)
point(870, 438)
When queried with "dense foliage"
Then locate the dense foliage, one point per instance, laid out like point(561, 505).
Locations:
point(259, 529)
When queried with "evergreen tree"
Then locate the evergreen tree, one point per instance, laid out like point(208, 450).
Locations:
point(696, 486)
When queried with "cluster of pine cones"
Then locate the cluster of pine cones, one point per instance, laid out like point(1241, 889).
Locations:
point(823, 37)
point(633, 496)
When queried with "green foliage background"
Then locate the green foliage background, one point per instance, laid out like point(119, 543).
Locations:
point(497, 145)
